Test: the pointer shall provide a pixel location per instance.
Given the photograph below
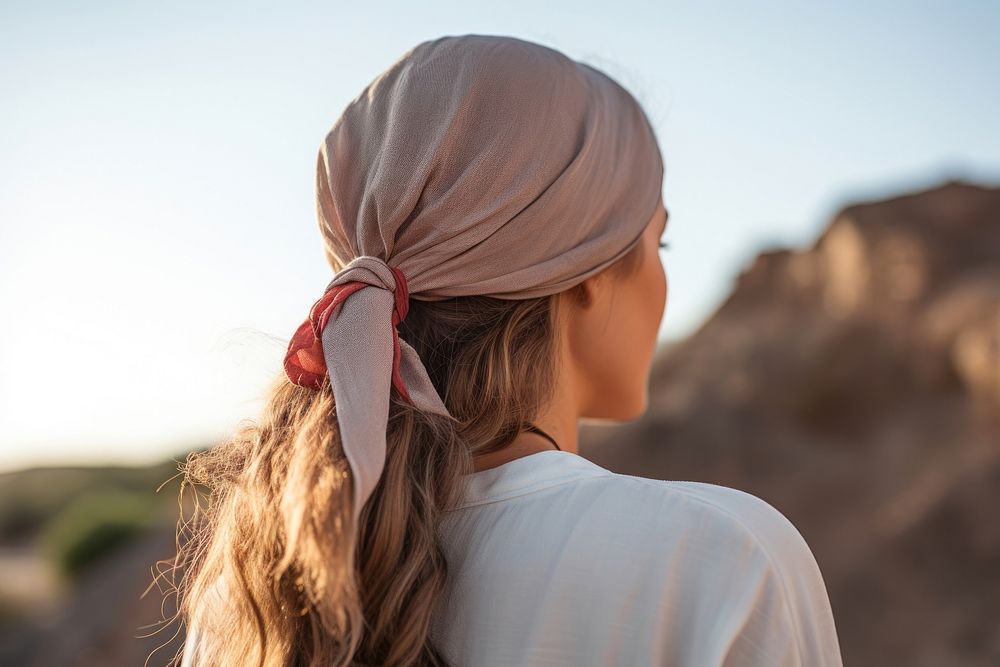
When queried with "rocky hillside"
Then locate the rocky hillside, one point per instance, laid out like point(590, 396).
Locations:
point(855, 385)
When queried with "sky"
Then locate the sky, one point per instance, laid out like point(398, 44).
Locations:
point(158, 239)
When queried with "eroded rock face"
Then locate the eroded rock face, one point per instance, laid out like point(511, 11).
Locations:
point(917, 273)
point(855, 385)
point(976, 354)
point(960, 329)
point(898, 252)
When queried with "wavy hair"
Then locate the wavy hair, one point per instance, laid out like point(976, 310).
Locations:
point(273, 569)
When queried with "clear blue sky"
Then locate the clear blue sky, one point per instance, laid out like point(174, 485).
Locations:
point(158, 242)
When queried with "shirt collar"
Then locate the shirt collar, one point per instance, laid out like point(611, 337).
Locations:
point(525, 475)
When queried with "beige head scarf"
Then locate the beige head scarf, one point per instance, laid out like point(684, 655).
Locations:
point(475, 164)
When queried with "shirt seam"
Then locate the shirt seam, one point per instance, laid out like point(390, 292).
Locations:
point(745, 527)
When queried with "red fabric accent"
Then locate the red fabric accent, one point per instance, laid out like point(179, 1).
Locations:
point(305, 364)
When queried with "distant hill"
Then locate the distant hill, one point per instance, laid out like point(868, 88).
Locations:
point(29, 497)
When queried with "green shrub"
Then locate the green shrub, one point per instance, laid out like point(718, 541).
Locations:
point(31, 496)
point(94, 525)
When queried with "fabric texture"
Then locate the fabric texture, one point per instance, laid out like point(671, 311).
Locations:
point(554, 560)
point(474, 165)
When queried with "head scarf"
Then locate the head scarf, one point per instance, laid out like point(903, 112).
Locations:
point(473, 165)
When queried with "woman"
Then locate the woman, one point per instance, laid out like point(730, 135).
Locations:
point(413, 493)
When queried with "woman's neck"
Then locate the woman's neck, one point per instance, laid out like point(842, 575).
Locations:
point(524, 444)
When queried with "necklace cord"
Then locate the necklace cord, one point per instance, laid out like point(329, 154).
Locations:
point(534, 429)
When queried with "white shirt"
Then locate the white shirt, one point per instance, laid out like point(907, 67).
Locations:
point(554, 560)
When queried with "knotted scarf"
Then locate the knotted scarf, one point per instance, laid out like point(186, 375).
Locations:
point(473, 165)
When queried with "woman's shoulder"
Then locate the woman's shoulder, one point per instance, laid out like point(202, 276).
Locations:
point(718, 505)
point(725, 548)
point(725, 504)
point(729, 514)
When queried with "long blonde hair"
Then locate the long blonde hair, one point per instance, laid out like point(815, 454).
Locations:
point(273, 569)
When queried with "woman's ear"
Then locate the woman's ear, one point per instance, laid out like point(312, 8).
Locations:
point(585, 293)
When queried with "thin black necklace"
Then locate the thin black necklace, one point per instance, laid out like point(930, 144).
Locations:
point(535, 429)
